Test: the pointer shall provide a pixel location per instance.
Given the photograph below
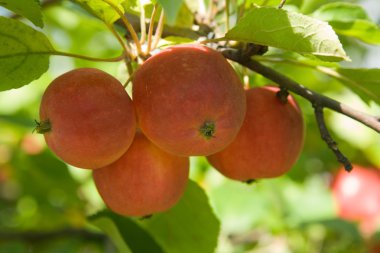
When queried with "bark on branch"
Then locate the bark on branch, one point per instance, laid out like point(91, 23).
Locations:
point(331, 143)
point(318, 101)
point(312, 96)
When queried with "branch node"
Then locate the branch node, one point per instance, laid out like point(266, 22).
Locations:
point(251, 49)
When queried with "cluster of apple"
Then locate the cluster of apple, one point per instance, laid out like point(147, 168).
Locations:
point(187, 101)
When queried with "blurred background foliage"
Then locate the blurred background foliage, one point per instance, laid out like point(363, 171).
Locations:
point(45, 204)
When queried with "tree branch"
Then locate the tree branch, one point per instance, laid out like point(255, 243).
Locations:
point(312, 96)
point(318, 101)
point(325, 135)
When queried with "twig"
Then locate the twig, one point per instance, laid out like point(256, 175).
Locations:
point(150, 30)
point(142, 24)
point(325, 135)
point(126, 24)
point(127, 50)
point(312, 96)
point(84, 57)
point(281, 4)
point(160, 28)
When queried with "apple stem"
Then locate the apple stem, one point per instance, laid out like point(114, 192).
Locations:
point(282, 95)
point(43, 126)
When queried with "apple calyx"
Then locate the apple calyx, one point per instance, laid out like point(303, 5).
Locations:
point(207, 130)
point(43, 126)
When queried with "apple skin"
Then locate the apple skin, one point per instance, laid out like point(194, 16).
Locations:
point(357, 196)
point(89, 117)
point(268, 143)
point(189, 100)
point(145, 180)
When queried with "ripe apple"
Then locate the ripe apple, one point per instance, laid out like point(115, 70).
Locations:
point(268, 143)
point(357, 196)
point(145, 180)
point(189, 100)
point(87, 118)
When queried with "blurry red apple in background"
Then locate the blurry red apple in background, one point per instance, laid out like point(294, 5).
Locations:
point(357, 196)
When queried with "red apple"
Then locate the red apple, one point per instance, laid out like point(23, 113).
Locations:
point(357, 196)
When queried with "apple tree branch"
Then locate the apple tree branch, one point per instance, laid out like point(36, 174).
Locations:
point(318, 101)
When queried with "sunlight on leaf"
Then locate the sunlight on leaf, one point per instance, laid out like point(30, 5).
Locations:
point(289, 30)
point(350, 20)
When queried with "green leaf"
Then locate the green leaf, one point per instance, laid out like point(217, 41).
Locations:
point(185, 18)
point(126, 234)
point(188, 227)
point(174, 40)
point(171, 9)
point(29, 9)
point(289, 30)
point(102, 9)
point(132, 6)
point(364, 82)
point(110, 229)
point(311, 5)
point(363, 30)
point(24, 54)
point(350, 20)
point(340, 11)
